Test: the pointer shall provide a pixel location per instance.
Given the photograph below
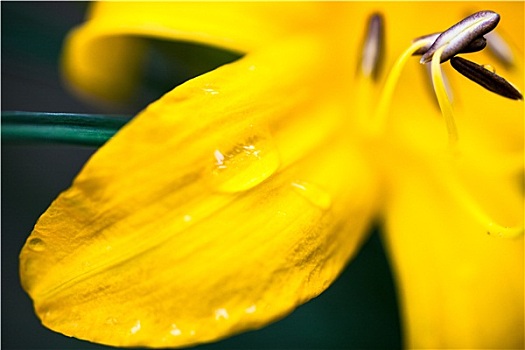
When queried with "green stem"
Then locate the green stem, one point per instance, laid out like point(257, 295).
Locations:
point(70, 128)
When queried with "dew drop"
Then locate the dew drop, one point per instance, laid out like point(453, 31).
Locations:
point(36, 244)
point(111, 321)
point(313, 194)
point(221, 314)
point(174, 330)
point(244, 164)
point(251, 309)
point(489, 68)
point(210, 90)
point(281, 213)
point(47, 314)
point(136, 327)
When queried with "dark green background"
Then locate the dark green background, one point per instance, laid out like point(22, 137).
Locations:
point(358, 311)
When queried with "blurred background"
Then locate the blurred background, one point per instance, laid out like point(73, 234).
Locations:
point(358, 311)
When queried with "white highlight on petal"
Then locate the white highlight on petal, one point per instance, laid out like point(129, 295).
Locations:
point(221, 314)
point(219, 157)
point(111, 321)
point(136, 327)
point(210, 91)
point(251, 309)
point(175, 331)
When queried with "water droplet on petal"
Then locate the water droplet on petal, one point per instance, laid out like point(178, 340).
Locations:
point(46, 314)
point(313, 194)
point(111, 321)
point(174, 330)
point(36, 244)
point(251, 309)
point(136, 327)
point(221, 313)
point(211, 91)
point(244, 164)
point(281, 213)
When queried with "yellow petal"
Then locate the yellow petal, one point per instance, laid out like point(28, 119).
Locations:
point(459, 287)
point(210, 213)
point(103, 58)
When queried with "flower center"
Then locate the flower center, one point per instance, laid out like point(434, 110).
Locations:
point(464, 37)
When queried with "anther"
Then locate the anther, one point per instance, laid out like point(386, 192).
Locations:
point(461, 35)
point(484, 77)
point(373, 47)
point(426, 42)
point(476, 45)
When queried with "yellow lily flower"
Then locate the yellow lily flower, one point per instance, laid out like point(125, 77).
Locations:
point(244, 192)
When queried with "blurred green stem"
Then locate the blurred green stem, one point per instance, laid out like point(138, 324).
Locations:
point(70, 128)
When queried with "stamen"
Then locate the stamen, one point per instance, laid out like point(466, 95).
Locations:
point(428, 40)
point(500, 49)
point(441, 94)
point(380, 115)
point(428, 75)
point(476, 45)
point(372, 56)
point(460, 35)
point(466, 35)
point(484, 77)
point(373, 47)
point(472, 206)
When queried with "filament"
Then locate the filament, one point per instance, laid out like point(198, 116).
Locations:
point(473, 208)
point(442, 97)
point(380, 116)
